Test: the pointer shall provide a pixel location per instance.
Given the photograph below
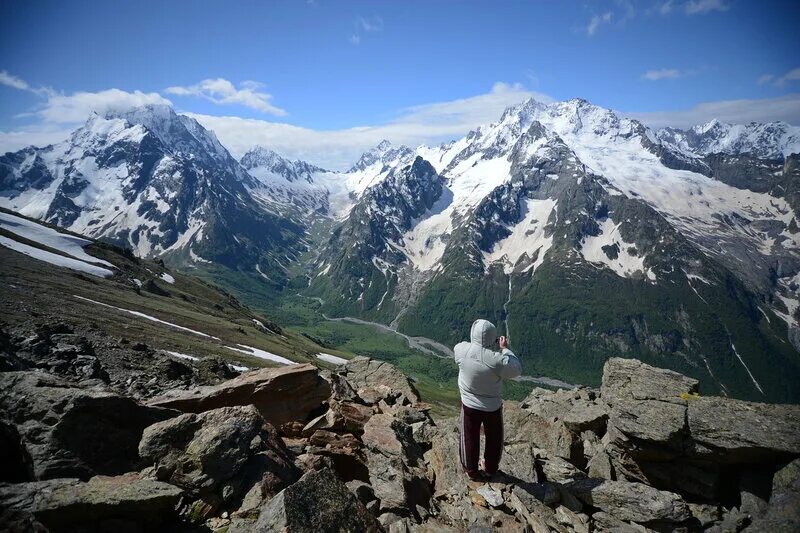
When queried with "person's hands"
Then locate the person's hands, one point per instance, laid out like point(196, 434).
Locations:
point(502, 342)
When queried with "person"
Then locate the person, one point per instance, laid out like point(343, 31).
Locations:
point(481, 371)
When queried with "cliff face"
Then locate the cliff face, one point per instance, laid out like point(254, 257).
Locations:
point(357, 450)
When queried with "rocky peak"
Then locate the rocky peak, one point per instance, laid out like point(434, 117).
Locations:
point(384, 153)
point(263, 160)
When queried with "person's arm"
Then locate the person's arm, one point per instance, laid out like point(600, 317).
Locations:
point(509, 366)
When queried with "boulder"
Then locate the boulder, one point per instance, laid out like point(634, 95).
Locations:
point(378, 380)
point(633, 380)
point(122, 503)
point(318, 502)
point(396, 468)
point(341, 416)
point(281, 395)
point(68, 431)
point(218, 455)
point(443, 463)
point(547, 432)
point(635, 502)
point(736, 431)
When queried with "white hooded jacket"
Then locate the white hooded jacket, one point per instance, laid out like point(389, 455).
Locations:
point(482, 370)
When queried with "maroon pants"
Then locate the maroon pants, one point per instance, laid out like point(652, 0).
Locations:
point(470, 429)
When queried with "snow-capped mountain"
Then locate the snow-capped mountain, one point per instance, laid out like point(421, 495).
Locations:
point(587, 235)
point(584, 234)
point(151, 180)
point(773, 140)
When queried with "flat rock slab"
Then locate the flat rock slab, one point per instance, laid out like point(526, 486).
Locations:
point(280, 394)
point(71, 504)
point(635, 502)
point(632, 379)
point(737, 431)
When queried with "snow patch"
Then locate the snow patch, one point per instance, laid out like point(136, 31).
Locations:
point(626, 264)
point(147, 317)
point(261, 354)
point(55, 259)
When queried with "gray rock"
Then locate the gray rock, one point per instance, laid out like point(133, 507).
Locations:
point(632, 379)
point(735, 431)
point(318, 502)
point(396, 470)
point(67, 431)
point(600, 467)
point(281, 395)
point(783, 511)
point(124, 503)
point(534, 513)
point(443, 463)
point(219, 455)
point(366, 373)
point(605, 522)
point(704, 514)
point(633, 502)
point(492, 496)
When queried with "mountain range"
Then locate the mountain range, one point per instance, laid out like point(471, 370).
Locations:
point(584, 234)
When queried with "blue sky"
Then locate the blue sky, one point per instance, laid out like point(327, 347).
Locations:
point(301, 75)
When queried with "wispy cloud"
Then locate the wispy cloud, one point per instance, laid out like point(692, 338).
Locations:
point(662, 74)
point(15, 82)
point(785, 108)
point(337, 149)
point(596, 21)
point(9, 80)
point(780, 81)
point(222, 91)
point(766, 78)
point(695, 7)
point(792, 75)
point(364, 25)
point(371, 24)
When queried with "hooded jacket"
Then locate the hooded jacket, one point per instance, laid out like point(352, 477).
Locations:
point(481, 370)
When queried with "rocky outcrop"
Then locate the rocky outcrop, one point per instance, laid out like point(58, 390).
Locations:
point(65, 430)
point(124, 503)
point(661, 432)
point(281, 395)
point(643, 453)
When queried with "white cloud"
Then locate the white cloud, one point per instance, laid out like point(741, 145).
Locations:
point(337, 149)
point(694, 7)
point(76, 107)
point(597, 21)
point(766, 78)
point(10, 80)
point(355, 39)
point(785, 108)
point(792, 75)
point(222, 91)
point(662, 74)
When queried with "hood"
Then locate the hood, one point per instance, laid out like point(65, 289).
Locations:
point(483, 333)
